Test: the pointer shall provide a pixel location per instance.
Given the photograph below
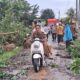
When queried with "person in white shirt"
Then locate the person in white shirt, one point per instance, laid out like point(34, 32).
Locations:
point(46, 30)
point(54, 32)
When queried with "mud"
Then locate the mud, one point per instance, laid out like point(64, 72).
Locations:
point(20, 67)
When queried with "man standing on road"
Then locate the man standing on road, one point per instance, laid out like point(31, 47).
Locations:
point(60, 33)
point(54, 32)
point(67, 35)
point(46, 30)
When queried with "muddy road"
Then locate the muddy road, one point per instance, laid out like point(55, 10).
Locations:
point(20, 67)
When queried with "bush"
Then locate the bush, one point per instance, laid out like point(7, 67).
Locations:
point(8, 24)
point(20, 37)
point(2, 64)
point(3, 75)
point(1, 50)
point(75, 66)
point(74, 51)
point(17, 38)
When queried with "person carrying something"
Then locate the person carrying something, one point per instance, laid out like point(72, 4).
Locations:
point(39, 34)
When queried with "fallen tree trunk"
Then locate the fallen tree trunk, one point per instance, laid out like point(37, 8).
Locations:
point(8, 33)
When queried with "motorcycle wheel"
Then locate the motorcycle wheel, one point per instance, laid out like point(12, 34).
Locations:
point(41, 62)
point(36, 64)
point(36, 68)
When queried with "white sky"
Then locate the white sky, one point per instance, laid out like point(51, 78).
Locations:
point(55, 5)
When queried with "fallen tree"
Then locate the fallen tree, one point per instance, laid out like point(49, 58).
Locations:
point(8, 33)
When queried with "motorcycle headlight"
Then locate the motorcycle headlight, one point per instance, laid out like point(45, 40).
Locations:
point(36, 46)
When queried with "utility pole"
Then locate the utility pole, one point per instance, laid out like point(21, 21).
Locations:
point(79, 5)
point(78, 12)
point(76, 8)
point(59, 15)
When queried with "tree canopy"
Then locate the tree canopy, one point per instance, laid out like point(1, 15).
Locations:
point(16, 15)
point(71, 15)
point(47, 13)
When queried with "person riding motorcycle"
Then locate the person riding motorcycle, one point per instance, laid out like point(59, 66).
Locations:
point(40, 34)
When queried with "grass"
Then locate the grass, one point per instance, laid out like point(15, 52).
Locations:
point(53, 65)
point(3, 75)
point(7, 55)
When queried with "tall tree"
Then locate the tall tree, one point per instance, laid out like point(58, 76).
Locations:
point(11, 12)
point(35, 9)
point(21, 10)
point(3, 7)
point(47, 13)
point(71, 14)
point(31, 15)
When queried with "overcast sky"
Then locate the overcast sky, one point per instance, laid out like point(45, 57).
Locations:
point(55, 5)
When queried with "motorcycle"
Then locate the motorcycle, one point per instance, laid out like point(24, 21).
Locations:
point(37, 52)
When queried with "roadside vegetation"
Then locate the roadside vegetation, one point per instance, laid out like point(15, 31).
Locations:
point(6, 55)
point(15, 19)
point(74, 52)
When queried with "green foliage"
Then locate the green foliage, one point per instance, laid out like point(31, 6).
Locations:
point(7, 55)
point(3, 75)
point(47, 13)
point(16, 15)
point(1, 50)
point(17, 38)
point(23, 72)
point(2, 40)
point(14, 78)
point(54, 66)
point(35, 9)
point(75, 66)
point(2, 64)
point(20, 37)
point(71, 15)
point(74, 50)
point(65, 20)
